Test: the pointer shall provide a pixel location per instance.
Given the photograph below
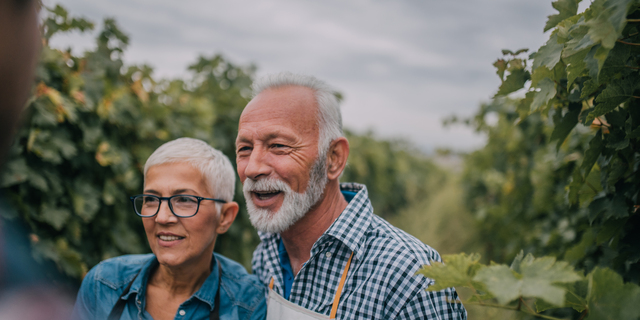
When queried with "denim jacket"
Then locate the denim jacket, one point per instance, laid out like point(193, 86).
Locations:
point(242, 296)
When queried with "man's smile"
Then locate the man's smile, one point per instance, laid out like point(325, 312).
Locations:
point(265, 195)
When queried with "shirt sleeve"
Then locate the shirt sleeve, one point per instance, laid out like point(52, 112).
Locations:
point(84, 309)
point(434, 305)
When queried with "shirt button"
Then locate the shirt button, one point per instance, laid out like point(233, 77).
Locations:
point(182, 312)
point(328, 254)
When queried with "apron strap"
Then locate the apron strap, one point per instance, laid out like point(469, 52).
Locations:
point(336, 299)
point(215, 314)
point(116, 312)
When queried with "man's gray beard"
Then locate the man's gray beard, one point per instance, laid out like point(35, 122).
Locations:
point(294, 206)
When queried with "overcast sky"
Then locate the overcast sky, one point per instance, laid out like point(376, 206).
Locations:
point(402, 66)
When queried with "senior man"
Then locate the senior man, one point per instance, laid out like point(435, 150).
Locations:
point(323, 252)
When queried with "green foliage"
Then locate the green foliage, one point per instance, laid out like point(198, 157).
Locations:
point(535, 285)
point(560, 174)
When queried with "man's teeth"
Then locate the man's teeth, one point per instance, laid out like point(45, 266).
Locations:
point(266, 195)
point(168, 238)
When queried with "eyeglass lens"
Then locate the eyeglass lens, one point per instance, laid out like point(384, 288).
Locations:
point(147, 206)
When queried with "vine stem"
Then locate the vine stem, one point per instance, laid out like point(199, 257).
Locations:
point(629, 43)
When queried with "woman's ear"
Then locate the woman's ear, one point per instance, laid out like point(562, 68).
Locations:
point(228, 214)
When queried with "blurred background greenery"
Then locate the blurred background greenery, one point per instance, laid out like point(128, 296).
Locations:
point(92, 121)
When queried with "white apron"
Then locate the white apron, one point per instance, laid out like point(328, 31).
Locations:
point(279, 308)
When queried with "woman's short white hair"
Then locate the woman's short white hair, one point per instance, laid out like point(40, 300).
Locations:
point(214, 166)
point(329, 117)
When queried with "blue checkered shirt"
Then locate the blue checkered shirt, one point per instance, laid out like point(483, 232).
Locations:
point(381, 282)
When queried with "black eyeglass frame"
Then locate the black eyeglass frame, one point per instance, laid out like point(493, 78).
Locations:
point(133, 203)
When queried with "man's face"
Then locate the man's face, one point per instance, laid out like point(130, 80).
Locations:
point(277, 148)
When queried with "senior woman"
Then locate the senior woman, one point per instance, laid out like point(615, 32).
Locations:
point(187, 202)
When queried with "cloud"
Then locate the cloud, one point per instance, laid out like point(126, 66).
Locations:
point(402, 65)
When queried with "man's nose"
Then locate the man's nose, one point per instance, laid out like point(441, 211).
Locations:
point(165, 216)
point(258, 165)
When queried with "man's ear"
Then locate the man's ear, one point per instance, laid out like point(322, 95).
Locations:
point(337, 158)
point(228, 214)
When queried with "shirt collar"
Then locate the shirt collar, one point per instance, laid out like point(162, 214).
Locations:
point(349, 228)
point(206, 293)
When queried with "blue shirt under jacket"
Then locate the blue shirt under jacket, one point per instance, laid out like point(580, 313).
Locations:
point(242, 296)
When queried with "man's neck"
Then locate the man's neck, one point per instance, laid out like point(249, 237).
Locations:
point(299, 239)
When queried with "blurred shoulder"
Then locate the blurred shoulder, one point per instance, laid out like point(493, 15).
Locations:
point(393, 243)
point(118, 271)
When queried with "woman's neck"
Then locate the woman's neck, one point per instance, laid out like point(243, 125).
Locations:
point(181, 281)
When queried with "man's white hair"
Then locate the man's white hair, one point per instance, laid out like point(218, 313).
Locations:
point(214, 166)
point(329, 118)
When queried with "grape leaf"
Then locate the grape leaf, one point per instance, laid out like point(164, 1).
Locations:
point(538, 279)
point(611, 299)
point(457, 270)
point(588, 87)
point(549, 54)
point(606, 27)
point(566, 9)
point(576, 66)
point(574, 297)
point(616, 93)
point(514, 82)
point(591, 155)
point(542, 97)
point(567, 123)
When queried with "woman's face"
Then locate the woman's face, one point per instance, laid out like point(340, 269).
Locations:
point(179, 242)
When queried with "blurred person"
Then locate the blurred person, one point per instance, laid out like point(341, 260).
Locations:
point(323, 253)
point(25, 291)
point(187, 202)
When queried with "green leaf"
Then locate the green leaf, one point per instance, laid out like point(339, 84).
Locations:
point(539, 278)
point(609, 230)
point(574, 298)
point(547, 92)
point(86, 199)
point(56, 217)
point(517, 261)
point(610, 19)
point(611, 299)
point(591, 155)
point(514, 82)
point(457, 270)
point(524, 105)
point(578, 252)
point(594, 60)
point(568, 122)
point(501, 281)
point(540, 74)
point(15, 171)
point(501, 67)
point(575, 66)
point(549, 54)
point(616, 93)
point(566, 9)
point(613, 207)
point(589, 87)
